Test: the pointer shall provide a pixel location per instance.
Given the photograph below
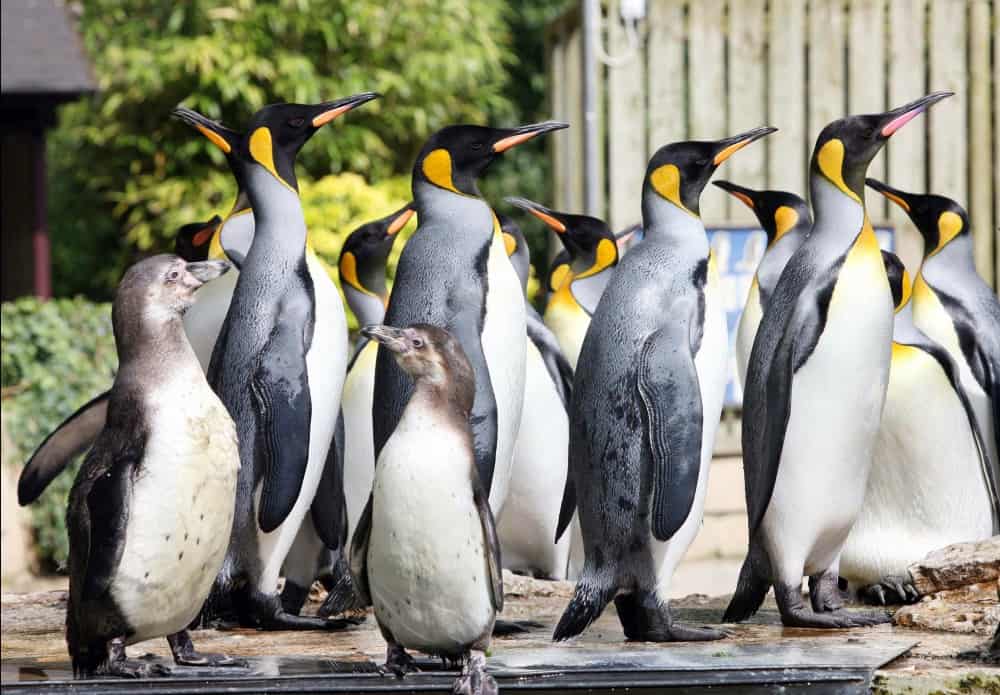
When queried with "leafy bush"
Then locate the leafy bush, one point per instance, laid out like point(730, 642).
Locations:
point(56, 356)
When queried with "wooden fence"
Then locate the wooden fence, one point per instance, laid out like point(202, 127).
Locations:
point(710, 68)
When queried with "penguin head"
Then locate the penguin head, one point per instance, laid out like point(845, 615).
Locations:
point(939, 219)
point(366, 250)
point(679, 171)
point(588, 240)
point(194, 239)
point(229, 141)
point(777, 211)
point(517, 248)
point(455, 156)
point(846, 146)
point(431, 356)
point(899, 279)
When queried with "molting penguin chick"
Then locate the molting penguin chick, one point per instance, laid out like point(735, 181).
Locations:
point(646, 403)
point(151, 510)
point(425, 552)
point(786, 221)
point(593, 255)
point(930, 483)
point(815, 387)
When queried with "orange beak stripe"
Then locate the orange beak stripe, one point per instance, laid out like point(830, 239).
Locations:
point(214, 138)
point(328, 116)
point(203, 236)
point(400, 222)
point(743, 198)
point(508, 142)
point(549, 220)
point(728, 152)
point(897, 200)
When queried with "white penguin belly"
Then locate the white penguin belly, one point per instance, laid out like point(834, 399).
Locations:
point(359, 445)
point(181, 511)
point(835, 406)
point(747, 331)
point(710, 364)
point(503, 346)
point(203, 321)
point(926, 488)
point(569, 322)
point(326, 363)
point(427, 568)
point(530, 515)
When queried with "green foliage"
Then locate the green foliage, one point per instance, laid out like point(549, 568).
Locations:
point(56, 356)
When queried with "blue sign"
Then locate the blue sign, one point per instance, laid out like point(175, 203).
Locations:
point(737, 252)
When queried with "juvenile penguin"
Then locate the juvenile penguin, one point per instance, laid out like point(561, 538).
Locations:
point(786, 221)
point(593, 255)
point(816, 384)
point(362, 267)
point(151, 510)
point(930, 483)
point(527, 525)
point(454, 273)
point(425, 553)
point(954, 306)
point(646, 404)
point(278, 365)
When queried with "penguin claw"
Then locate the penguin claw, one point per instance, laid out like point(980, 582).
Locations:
point(133, 668)
point(474, 679)
point(890, 590)
point(397, 662)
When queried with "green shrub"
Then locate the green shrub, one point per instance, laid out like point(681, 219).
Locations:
point(56, 356)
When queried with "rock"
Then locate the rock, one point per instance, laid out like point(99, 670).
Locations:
point(958, 565)
point(971, 609)
point(526, 587)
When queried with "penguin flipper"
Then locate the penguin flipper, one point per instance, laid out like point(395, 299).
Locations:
point(359, 554)
point(671, 401)
point(492, 542)
point(329, 508)
point(283, 407)
point(71, 438)
point(555, 362)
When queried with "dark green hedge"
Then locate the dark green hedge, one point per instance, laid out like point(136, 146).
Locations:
point(56, 356)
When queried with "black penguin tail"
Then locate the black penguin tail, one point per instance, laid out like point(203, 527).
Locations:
point(341, 595)
point(88, 656)
point(591, 596)
point(751, 588)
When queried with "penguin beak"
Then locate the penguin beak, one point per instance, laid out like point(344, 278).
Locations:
point(516, 136)
point(893, 194)
point(206, 271)
point(549, 217)
point(728, 146)
point(394, 339)
point(204, 235)
point(744, 195)
point(219, 135)
point(897, 118)
point(329, 110)
point(402, 217)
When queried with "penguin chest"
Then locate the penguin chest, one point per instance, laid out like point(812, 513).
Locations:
point(427, 566)
point(747, 331)
point(359, 448)
point(181, 510)
point(568, 321)
point(503, 346)
point(204, 319)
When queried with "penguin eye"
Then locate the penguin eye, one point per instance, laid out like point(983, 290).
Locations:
point(296, 122)
point(418, 343)
point(173, 275)
point(477, 145)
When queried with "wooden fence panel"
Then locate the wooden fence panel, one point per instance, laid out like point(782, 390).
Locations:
point(666, 74)
point(866, 38)
point(574, 116)
point(627, 125)
point(788, 150)
point(981, 183)
point(947, 121)
point(827, 78)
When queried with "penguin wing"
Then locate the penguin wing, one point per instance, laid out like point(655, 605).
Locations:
point(359, 554)
point(329, 508)
point(555, 362)
point(283, 408)
point(481, 499)
point(71, 438)
point(671, 400)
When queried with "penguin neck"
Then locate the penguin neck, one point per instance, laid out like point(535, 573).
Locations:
point(436, 205)
point(776, 258)
point(902, 322)
point(151, 340)
point(950, 263)
point(279, 223)
point(456, 398)
point(665, 223)
point(367, 308)
point(837, 217)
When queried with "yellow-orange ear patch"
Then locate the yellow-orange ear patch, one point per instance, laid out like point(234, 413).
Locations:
point(949, 226)
point(437, 169)
point(510, 243)
point(666, 180)
point(262, 150)
point(784, 219)
point(605, 255)
point(830, 159)
point(349, 272)
point(558, 276)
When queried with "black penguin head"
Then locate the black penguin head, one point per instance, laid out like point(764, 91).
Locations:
point(454, 157)
point(517, 248)
point(432, 357)
point(777, 211)
point(588, 240)
point(365, 252)
point(229, 141)
point(193, 240)
point(846, 147)
point(899, 279)
point(938, 219)
point(679, 171)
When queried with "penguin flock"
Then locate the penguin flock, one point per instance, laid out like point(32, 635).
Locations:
point(244, 439)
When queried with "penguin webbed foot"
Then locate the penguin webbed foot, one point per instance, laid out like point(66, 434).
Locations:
point(646, 620)
point(185, 654)
point(272, 616)
point(889, 590)
point(397, 661)
point(794, 613)
point(824, 593)
point(474, 679)
point(119, 666)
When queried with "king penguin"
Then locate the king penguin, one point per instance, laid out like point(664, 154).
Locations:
point(527, 525)
point(646, 404)
point(592, 255)
point(152, 506)
point(954, 306)
point(454, 273)
point(930, 484)
point(786, 221)
point(278, 366)
point(425, 553)
point(816, 383)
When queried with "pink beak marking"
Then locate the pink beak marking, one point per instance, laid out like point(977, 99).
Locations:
point(899, 121)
